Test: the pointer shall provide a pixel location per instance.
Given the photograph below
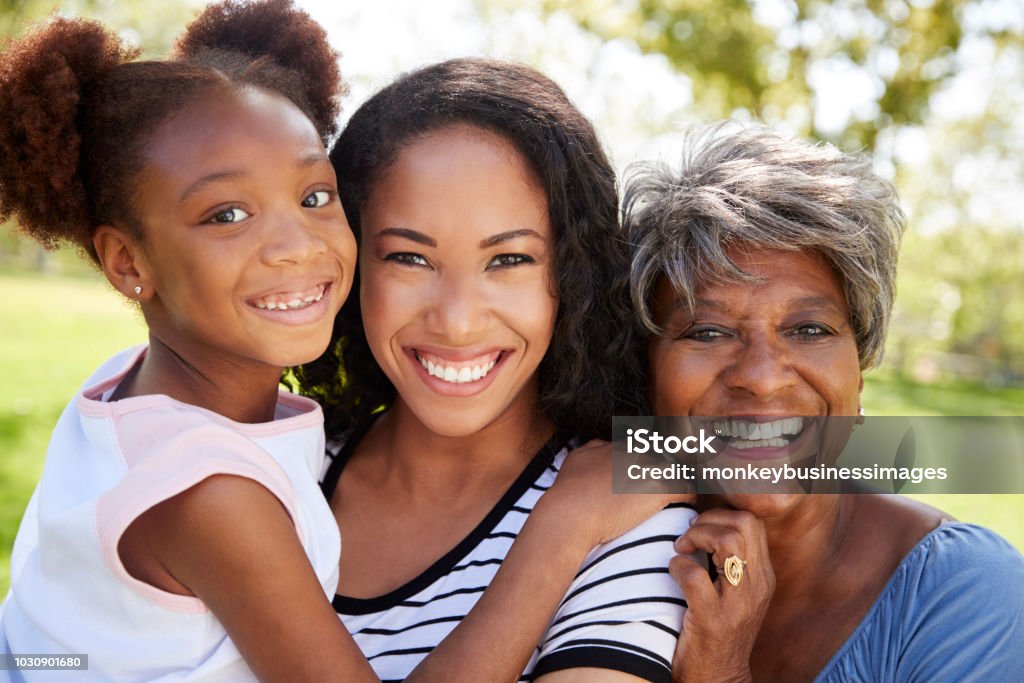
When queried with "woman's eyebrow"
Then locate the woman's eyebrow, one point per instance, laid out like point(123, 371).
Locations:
point(409, 234)
point(506, 236)
point(708, 303)
point(814, 302)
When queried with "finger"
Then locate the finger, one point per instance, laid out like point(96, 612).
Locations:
point(755, 538)
point(718, 541)
point(748, 524)
point(695, 582)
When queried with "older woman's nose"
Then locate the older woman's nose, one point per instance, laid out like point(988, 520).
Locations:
point(760, 368)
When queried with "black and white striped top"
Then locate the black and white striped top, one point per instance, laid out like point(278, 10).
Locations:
point(622, 612)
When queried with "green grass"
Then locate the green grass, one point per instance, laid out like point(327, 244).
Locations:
point(57, 330)
point(886, 394)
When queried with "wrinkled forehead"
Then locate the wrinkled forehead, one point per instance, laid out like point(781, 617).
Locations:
point(748, 271)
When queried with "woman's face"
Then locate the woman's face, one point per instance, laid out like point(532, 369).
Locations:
point(456, 282)
point(759, 353)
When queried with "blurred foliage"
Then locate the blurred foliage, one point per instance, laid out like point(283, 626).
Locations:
point(153, 25)
point(758, 57)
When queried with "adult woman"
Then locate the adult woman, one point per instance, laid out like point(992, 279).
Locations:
point(492, 324)
point(765, 269)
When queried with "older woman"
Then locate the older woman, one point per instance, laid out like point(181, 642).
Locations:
point(765, 270)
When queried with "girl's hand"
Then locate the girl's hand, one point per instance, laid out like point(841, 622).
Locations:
point(583, 490)
point(722, 620)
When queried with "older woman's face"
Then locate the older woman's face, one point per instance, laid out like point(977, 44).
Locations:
point(780, 347)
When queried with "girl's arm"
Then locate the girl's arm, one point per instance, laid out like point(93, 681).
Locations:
point(229, 542)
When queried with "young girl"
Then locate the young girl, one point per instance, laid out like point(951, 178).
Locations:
point(178, 526)
point(493, 325)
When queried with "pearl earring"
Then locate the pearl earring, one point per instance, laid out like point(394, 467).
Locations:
point(138, 289)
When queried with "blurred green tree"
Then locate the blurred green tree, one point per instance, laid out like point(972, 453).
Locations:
point(770, 59)
point(153, 25)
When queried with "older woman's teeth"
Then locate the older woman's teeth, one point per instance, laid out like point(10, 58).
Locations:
point(454, 375)
point(746, 434)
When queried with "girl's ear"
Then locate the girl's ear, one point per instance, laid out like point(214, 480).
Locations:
point(123, 262)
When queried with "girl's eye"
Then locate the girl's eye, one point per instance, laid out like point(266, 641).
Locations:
point(232, 215)
point(407, 259)
point(317, 199)
point(506, 260)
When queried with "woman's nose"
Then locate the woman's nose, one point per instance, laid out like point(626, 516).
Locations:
point(459, 310)
point(761, 368)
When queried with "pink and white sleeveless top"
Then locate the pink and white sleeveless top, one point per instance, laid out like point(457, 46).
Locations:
point(107, 463)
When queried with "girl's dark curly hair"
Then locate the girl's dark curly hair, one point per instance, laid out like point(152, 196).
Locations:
point(76, 112)
point(591, 370)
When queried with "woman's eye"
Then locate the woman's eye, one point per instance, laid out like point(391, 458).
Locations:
point(812, 330)
point(407, 258)
point(506, 260)
point(703, 334)
point(315, 200)
point(232, 215)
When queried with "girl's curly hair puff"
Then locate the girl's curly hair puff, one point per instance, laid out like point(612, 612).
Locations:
point(42, 79)
point(592, 369)
point(76, 112)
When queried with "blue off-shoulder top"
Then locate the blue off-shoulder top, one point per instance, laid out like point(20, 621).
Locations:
point(952, 611)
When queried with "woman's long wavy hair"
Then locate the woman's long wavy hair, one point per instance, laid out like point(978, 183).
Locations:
point(592, 368)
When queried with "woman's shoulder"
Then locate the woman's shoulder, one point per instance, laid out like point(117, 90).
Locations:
point(963, 558)
point(951, 610)
point(940, 555)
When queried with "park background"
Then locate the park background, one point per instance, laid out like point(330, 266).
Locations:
point(933, 89)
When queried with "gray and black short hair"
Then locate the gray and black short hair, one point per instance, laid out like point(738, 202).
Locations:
point(753, 188)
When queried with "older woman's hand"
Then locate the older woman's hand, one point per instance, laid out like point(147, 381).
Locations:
point(722, 620)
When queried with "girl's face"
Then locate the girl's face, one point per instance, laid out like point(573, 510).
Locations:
point(456, 290)
point(246, 255)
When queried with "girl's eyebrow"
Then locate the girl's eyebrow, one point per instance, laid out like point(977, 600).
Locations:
point(209, 180)
point(235, 174)
point(506, 236)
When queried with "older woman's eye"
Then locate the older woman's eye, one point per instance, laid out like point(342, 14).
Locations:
point(703, 334)
point(812, 330)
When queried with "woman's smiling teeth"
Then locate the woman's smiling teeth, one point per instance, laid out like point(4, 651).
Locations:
point(745, 434)
point(290, 300)
point(457, 372)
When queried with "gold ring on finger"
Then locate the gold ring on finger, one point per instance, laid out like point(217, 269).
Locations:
point(732, 570)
